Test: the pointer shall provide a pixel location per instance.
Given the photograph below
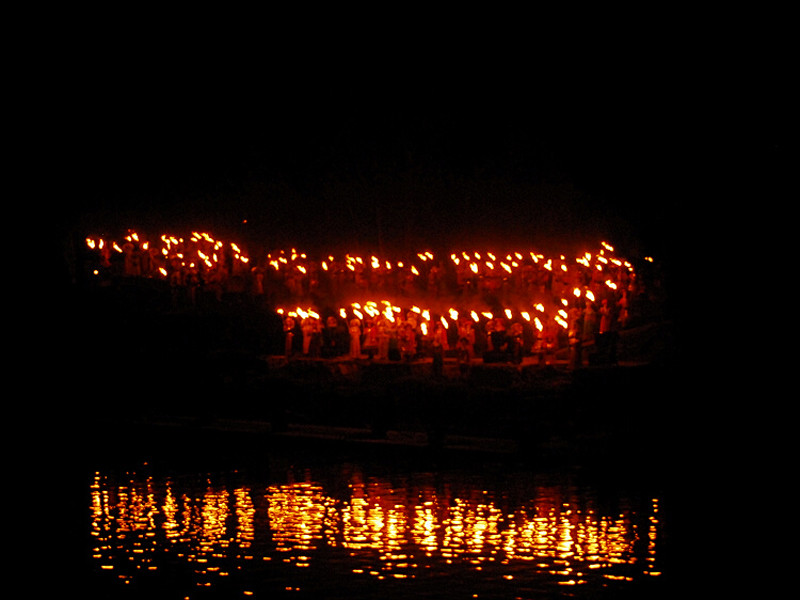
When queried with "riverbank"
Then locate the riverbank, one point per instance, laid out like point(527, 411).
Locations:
point(216, 371)
point(551, 414)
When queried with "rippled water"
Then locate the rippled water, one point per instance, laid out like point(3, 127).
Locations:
point(319, 524)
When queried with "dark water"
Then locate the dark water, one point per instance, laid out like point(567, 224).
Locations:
point(199, 516)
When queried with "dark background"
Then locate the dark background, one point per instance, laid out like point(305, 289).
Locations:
point(407, 154)
point(653, 134)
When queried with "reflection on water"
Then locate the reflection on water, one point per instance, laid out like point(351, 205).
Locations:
point(451, 534)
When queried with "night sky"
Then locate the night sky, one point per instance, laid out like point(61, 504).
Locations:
point(387, 159)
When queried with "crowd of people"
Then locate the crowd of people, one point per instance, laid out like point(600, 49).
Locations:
point(465, 305)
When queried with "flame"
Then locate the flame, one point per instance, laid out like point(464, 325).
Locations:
point(201, 250)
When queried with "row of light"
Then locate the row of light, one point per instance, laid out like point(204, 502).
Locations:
point(210, 249)
point(391, 312)
point(474, 261)
point(174, 247)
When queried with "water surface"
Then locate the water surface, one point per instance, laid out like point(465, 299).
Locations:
point(316, 522)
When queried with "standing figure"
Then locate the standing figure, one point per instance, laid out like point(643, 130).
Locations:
point(330, 341)
point(574, 334)
point(371, 338)
point(549, 341)
point(288, 330)
point(605, 317)
point(408, 341)
point(437, 352)
point(515, 343)
point(315, 346)
point(383, 338)
point(499, 336)
point(440, 335)
point(622, 307)
point(464, 356)
point(589, 323)
point(467, 332)
point(489, 335)
point(308, 332)
point(355, 338)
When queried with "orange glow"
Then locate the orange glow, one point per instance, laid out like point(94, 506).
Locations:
point(382, 528)
point(206, 255)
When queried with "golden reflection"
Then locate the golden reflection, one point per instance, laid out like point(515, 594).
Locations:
point(296, 516)
point(385, 532)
